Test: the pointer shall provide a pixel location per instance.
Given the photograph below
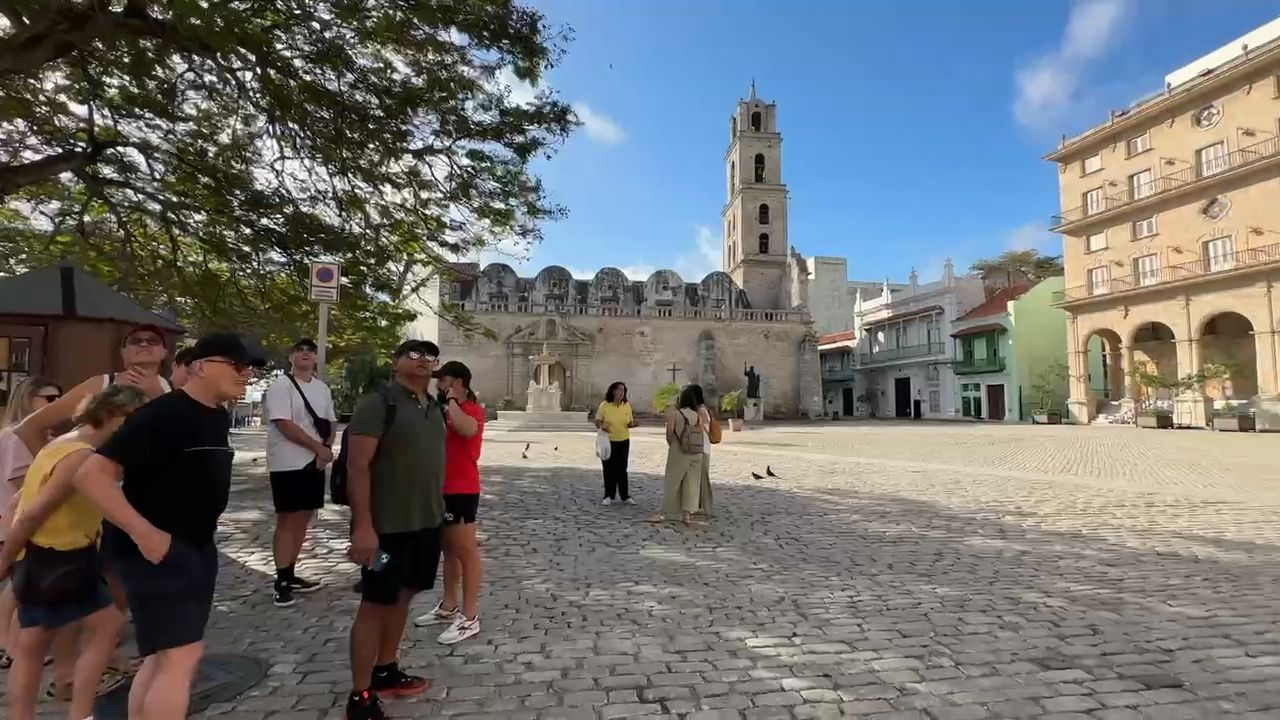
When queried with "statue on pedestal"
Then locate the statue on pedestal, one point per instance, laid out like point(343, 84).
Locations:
point(754, 407)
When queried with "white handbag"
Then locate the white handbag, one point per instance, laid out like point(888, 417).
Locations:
point(603, 448)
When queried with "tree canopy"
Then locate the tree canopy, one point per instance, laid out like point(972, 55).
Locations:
point(198, 154)
point(1027, 263)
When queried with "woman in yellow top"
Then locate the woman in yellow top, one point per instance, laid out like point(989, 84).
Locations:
point(58, 580)
point(614, 417)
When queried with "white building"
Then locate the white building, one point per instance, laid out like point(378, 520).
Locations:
point(832, 294)
point(896, 360)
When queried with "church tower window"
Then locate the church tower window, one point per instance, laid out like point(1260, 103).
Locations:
point(733, 176)
point(759, 167)
point(733, 126)
point(764, 213)
point(755, 121)
point(764, 243)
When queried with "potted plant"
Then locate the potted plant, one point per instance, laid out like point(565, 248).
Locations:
point(731, 406)
point(665, 397)
point(1043, 390)
point(1234, 420)
point(1150, 416)
point(864, 400)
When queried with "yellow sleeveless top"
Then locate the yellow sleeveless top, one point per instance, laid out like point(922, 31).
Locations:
point(76, 523)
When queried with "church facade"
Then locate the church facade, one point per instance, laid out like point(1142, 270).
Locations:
point(647, 332)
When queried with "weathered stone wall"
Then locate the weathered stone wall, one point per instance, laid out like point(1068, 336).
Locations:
point(597, 350)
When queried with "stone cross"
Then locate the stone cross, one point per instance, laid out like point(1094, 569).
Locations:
point(673, 370)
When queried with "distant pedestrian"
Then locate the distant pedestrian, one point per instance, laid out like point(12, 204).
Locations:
point(299, 447)
point(464, 432)
point(55, 535)
point(162, 481)
point(683, 477)
point(614, 416)
point(395, 478)
point(178, 375)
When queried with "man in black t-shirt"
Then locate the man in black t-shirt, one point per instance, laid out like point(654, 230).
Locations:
point(162, 481)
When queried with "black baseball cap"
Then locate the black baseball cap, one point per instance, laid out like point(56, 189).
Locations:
point(426, 347)
point(227, 345)
point(454, 369)
point(183, 356)
point(306, 343)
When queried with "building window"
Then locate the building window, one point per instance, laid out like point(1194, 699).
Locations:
point(733, 176)
point(1213, 159)
point(1219, 254)
point(755, 121)
point(764, 243)
point(1099, 280)
point(1144, 228)
point(971, 400)
point(1140, 184)
point(1146, 270)
point(764, 213)
point(1091, 164)
point(1096, 242)
point(1093, 201)
point(733, 127)
point(759, 167)
point(1140, 144)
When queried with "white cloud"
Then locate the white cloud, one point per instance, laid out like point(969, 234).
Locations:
point(522, 93)
point(598, 126)
point(1033, 236)
point(1049, 87)
point(703, 259)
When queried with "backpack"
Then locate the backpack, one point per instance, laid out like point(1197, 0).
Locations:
point(338, 476)
point(690, 439)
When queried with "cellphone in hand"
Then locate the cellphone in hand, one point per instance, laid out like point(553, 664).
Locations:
point(379, 561)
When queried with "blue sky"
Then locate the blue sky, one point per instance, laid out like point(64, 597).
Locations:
point(913, 130)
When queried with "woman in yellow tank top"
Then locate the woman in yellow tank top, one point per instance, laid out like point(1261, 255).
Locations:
point(55, 535)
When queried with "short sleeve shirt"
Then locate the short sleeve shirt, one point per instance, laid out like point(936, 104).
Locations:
point(176, 456)
point(462, 454)
point(618, 417)
point(283, 402)
point(407, 473)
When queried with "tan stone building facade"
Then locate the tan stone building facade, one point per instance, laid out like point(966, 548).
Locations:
point(1171, 241)
point(647, 332)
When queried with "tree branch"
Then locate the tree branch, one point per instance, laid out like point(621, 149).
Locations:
point(16, 177)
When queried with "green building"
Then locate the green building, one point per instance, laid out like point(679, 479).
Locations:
point(1003, 347)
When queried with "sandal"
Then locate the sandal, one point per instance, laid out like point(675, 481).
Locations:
point(58, 692)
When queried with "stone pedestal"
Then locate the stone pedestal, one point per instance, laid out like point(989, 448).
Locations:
point(1192, 410)
point(544, 399)
point(754, 410)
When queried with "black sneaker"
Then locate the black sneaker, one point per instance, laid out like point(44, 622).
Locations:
point(284, 594)
point(299, 585)
point(394, 682)
point(365, 706)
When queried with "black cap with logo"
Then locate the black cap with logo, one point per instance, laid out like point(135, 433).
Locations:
point(426, 347)
point(305, 344)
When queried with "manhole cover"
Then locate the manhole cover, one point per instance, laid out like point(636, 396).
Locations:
point(219, 679)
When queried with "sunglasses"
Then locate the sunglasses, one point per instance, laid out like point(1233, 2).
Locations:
point(419, 355)
point(50, 398)
point(143, 341)
point(240, 367)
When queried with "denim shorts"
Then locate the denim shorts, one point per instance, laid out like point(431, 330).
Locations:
point(52, 617)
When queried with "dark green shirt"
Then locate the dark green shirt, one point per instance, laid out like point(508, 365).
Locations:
point(407, 477)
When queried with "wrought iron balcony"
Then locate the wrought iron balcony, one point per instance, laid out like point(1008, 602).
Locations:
point(906, 352)
point(837, 374)
point(1214, 167)
point(975, 365)
point(1156, 277)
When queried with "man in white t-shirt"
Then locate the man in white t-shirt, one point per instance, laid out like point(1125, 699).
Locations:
point(299, 440)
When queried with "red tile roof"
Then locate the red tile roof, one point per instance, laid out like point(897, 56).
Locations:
point(998, 302)
point(845, 336)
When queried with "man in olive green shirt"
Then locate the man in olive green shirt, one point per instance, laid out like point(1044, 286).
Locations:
point(395, 485)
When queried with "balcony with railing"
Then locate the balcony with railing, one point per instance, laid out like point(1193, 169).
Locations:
point(976, 365)
point(1215, 166)
point(1221, 264)
point(906, 352)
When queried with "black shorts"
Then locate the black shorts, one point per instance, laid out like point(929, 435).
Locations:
point(170, 601)
point(298, 490)
point(461, 509)
point(414, 560)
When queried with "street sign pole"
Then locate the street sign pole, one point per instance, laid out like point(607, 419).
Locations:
point(322, 338)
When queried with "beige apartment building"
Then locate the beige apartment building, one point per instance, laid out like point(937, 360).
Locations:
point(1171, 240)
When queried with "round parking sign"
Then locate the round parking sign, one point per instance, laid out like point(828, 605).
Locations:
point(324, 275)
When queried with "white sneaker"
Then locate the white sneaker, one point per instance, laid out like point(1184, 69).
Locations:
point(629, 501)
point(607, 502)
point(438, 616)
point(460, 630)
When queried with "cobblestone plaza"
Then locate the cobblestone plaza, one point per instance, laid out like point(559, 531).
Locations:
point(891, 571)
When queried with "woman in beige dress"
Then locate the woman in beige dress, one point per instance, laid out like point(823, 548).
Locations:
point(683, 480)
